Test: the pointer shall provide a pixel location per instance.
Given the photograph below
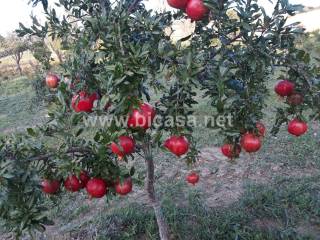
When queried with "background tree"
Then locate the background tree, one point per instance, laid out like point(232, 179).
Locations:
point(42, 54)
point(16, 46)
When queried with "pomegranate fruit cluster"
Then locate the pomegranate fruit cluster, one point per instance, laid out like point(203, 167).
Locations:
point(138, 118)
point(95, 187)
point(195, 9)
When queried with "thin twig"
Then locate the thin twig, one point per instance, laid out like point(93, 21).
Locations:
point(120, 39)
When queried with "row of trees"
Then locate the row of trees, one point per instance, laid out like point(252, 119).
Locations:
point(119, 56)
point(42, 49)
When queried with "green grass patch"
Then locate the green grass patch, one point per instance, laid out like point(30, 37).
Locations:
point(18, 109)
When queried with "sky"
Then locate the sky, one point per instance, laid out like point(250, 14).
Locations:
point(14, 11)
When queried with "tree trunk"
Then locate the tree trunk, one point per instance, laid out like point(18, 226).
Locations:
point(17, 57)
point(149, 186)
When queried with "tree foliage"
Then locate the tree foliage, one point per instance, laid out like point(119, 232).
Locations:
point(120, 50)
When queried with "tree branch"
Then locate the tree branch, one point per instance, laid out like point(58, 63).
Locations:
point(133, 6)
point(120, 40)
point(248, 5)
point(70, 151)
point(230, 41)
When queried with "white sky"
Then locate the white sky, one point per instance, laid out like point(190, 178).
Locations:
point(14, 11)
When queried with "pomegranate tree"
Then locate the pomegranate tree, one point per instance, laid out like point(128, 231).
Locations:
point(119, 56)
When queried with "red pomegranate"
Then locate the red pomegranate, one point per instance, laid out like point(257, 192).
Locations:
point(72, 183)
point(284, 88)
point(125, 146)
point(83, 102)
point(142, 117)
point(125, 187)
point(297, 127)
point(196, 10)
point(84, 178)
point(250, 142)
point(295, 99)
point(231, 150)
point(261, 129)
point(52, 80)
point(50, 186)
point(177, 145)
point(179, 4)
point(96, 187)
point(94, 96)
point(193, 178)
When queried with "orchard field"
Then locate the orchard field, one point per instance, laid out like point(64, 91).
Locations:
point(274, 194)
point(63, 179)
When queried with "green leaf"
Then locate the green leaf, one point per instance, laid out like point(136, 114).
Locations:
point(79, 132)
point(31, 132)
point(132, 171)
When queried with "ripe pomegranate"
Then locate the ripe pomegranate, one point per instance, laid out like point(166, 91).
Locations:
point(177, 145)
point(192, 178)
point(125, 146)
point(142, 117)
point(297, 127)
point(72, 183)
point(84, 178)
point(261, 129)
point(196, 10)
point(94, 96)
point(295, 99)
point(250, 142)
point(96, 187)
point(52, 80)
point(231, 150)
point(180, 4)
point(83, 102)
point(50, 186)
point(284, 88)
point(125, 187)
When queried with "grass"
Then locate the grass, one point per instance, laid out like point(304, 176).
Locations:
point(17, 107)
point(278, 211)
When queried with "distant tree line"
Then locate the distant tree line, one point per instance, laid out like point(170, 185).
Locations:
point(41, 49)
